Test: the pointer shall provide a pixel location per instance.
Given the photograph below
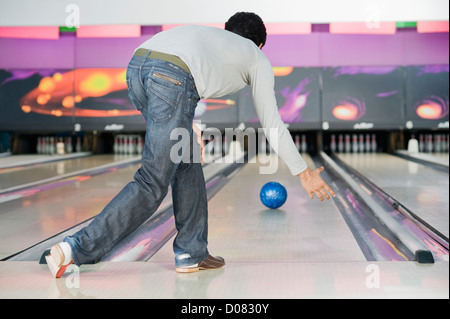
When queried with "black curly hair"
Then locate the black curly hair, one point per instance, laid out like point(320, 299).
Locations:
point(249, 25)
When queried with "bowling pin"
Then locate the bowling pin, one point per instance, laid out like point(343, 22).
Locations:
point(39, 145)
point(297, 142)
point(46, 148)
point(140, 145)
point(130, 145)
point(340, 144)
point(42, 145)
point(133, 144)
point(374, 143)
point(136, 146)
point(121, 144)
point(355, 143)
point(78, 145)
point(304, 145)
point(69, 147)
point(421, 143)
point(348, 145)
point(429, 143)
point(368, 144)
point(437, 143)
point(125, 144)
point(52, 145)
point(126, 148)
point(116, 145)
point(361, 143)
point(333, 144)
point(443, 144)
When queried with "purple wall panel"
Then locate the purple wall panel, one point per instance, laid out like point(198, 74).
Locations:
point(324, 49)
point(30, 54)
point(105, 53)
point(420, 48)
point(406, 47)
point(293, 50)
point(109, 52)
point(346, 50)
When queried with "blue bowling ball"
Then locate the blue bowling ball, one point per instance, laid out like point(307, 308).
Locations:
point(273, 195)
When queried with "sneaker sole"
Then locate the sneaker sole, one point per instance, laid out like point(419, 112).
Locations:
point(56, 270)
point(187, 270)
point(195, 269)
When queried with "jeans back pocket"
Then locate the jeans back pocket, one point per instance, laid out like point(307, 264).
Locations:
point(164, 91)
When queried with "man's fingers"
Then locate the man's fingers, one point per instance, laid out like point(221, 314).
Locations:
point(324, 193)
point(319, 196)
point(329, 190)
point(314, 185)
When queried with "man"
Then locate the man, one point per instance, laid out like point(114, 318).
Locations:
point(166, 78)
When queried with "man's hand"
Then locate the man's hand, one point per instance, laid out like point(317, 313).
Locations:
point(313, 184)
point(200, 141)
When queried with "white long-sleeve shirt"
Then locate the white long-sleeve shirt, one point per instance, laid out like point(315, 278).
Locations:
point(222, 63)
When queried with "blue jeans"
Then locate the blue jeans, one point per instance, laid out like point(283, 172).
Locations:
point(166, 96)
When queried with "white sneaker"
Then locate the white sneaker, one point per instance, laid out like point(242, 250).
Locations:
point(59, 259)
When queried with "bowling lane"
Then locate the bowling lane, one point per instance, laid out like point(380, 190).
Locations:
point(421, 189)
point(14, 177)
point(30, 159)
point(303, 250)
point(41, 212)
point(30, 216)
point(242, 230)
point(433, 158)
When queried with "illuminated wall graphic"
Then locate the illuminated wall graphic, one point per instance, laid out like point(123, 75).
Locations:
point(81, 93)
point(294, 101)
point(297, 92)
point(102, 93)
point(433, 108)
point(218, 111)
point(349, 109)
point(363, 97)
point(351, 97)
point(32, 99)
point(93, 97)
point(427, 95)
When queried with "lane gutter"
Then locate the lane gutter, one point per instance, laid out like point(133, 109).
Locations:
point(383, 227)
